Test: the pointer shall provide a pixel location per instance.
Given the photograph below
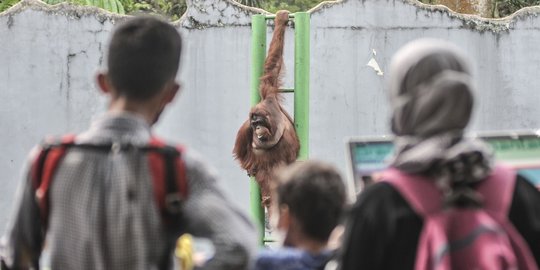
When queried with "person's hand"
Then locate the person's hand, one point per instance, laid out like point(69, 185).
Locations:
point(336, 237)
point(376, 177)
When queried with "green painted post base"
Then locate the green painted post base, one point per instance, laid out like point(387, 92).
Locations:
point(257, 212)
point(258, 54)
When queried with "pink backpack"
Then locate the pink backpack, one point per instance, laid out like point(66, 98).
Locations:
point(455, 238)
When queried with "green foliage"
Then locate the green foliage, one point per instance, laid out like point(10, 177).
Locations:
point(290, 5)
point(5, 4)
point(251, 3)
point(172, 9)
point(110, 5)
point(127, 4)
point(502, 8)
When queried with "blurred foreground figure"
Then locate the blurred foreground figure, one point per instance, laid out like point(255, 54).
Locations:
point(438, 179)
point(119, 197)
point(310, 198)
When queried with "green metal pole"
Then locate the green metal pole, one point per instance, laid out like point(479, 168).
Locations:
point(301, 81)
point(258, 54)
point(273, 16)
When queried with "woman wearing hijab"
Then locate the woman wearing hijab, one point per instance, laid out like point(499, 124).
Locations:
point(431, 98)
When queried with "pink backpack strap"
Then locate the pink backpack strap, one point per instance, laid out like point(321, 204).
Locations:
point(420, 192)
point(498, 190)
point(425, 198)
point(498, 194)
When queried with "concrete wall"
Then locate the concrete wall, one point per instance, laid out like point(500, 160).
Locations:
point(49, 56)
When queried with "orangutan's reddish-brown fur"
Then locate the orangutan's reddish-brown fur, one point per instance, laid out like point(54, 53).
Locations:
point(268, 139)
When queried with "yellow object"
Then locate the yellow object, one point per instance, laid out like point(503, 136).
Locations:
point(184, 252)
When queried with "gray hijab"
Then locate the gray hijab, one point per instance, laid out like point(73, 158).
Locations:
point(432, 101)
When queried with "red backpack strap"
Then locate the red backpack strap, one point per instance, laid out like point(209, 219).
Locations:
point(169, 177)
point(43, 170)
point(420, 192)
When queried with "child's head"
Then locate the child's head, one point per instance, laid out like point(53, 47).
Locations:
point(143, 58)
point(310, 196)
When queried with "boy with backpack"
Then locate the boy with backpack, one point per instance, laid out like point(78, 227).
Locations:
point(310, 199)
point(115, 196)
point(444, 203)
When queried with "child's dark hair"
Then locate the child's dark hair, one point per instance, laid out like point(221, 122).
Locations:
point(144, 54)
point(314, 192)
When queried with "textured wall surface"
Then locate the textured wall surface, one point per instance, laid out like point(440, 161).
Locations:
point(50, 55)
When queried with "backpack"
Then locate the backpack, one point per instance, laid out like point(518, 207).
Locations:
point(465, 238)
point(167, 169)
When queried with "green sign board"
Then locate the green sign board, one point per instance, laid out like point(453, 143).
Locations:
point(368, 156)
point(519, 152)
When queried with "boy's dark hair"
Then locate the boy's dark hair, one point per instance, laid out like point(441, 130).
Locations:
point(144, 54)
point(314, 192)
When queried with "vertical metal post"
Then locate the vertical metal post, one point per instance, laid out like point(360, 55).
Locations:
point(301, 91)
point(301, 81)
point(258, 54)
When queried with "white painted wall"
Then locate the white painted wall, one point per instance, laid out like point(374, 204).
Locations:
point(49, 56)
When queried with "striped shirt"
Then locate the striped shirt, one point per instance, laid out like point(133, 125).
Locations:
point(95, 224)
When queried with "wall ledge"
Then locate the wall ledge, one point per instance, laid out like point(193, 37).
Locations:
point(469, 21)
point(202, 14)
point(73, 11)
